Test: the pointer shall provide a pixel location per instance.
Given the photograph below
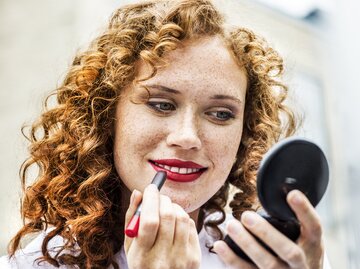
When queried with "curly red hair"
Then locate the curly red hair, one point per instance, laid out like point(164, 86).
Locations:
point(77, 190)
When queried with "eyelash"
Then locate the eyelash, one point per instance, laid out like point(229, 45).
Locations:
point(153, 105)
point(157, 107)
point(229, 114)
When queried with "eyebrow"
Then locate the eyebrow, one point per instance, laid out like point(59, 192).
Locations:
point(225, 97)
point(163, 88)
point(214, 97)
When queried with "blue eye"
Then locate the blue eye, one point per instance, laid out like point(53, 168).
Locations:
point(221, 115)
point(224, 115)
point(161, 106)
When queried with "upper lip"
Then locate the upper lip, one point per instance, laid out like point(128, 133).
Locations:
point(179, 163)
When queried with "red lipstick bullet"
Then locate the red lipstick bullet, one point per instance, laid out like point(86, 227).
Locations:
point(133, 227)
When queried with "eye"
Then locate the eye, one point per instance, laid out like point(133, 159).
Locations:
point(221, 115)
point(161, 106)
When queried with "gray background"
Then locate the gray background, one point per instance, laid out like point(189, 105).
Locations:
point(38, 39)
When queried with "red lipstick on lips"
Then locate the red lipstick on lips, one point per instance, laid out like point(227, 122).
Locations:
point(179, 176)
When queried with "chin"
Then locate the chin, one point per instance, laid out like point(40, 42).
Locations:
point(189, 205)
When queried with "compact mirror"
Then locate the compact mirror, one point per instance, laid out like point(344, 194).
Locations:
point(293, 163)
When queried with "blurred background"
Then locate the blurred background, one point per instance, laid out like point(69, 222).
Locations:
point(319, 41)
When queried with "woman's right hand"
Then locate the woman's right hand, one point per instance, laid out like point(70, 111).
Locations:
point(167, 236)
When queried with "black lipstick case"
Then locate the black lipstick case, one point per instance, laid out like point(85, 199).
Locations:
point(293, 163)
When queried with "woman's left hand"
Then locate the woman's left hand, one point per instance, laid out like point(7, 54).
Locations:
point(306, 253)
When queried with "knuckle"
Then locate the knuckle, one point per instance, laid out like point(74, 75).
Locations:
point(182, 218)
point(128, 214)
point(178, 209)
point(232, 262)
point(150, 224)
point(180, 265)
point(193, 264)
point(315, 234)
point(246, 242)
point(136, 263)
point(273, 264)
point(162, 264)
point(317, 229)
point(294, 255)
point(167, 216)
point(264, 233)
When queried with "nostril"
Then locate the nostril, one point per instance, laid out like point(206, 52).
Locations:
point(184, 140)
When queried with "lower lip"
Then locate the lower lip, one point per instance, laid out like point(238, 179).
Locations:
point(178, 177)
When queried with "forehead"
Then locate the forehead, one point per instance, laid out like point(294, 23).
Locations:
point(206, 61)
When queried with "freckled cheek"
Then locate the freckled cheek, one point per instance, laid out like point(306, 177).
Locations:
point(140, 134)
point(222, 147)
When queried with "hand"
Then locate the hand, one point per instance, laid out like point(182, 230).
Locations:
point(306, 253)
point(167, 236)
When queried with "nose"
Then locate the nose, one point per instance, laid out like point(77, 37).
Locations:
point(184, 131)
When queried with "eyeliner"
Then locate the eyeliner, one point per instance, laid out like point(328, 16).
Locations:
point(133, 227)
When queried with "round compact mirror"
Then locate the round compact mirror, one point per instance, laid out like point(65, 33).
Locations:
point(293, 163)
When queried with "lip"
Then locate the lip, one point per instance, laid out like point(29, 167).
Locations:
point(177, 163)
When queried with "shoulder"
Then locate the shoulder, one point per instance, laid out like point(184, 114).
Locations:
point(28, 256)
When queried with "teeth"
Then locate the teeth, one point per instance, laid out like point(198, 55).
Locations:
point(180, 170)
point(183, 171)
point(167, 167)
point(174, 169)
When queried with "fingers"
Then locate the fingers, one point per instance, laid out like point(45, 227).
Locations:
point(182, 228)
point(164, 226)
point(307, 250)
point(149, 218)
point(229, 257)
point(167, 221)
point(194, 237)
point(161, 222)
point(186, 240)
point(286, 249)
point(311, 230)
point(135, 201)
point(246, 241)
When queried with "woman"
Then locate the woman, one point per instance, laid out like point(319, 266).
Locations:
point(166, 87)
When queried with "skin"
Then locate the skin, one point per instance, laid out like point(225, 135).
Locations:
point(198, 127)
point(307, 253)
point(191, 131)
point(191, 127)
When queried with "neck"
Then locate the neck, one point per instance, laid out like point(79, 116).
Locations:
point(195, 217)
point(125, 198)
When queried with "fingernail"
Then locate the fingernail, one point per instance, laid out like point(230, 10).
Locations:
point(249, 218)
point(153, 187)
point(132, 197)
point(232, 227)
point(297, 198)
point(219, 248)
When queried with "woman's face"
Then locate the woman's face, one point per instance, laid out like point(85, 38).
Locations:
point(190, 125)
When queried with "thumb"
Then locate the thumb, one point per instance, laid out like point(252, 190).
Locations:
point(135, 201)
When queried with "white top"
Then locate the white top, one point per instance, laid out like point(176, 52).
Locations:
point(25, 258)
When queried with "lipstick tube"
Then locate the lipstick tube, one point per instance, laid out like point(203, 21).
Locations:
point(133, 227)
